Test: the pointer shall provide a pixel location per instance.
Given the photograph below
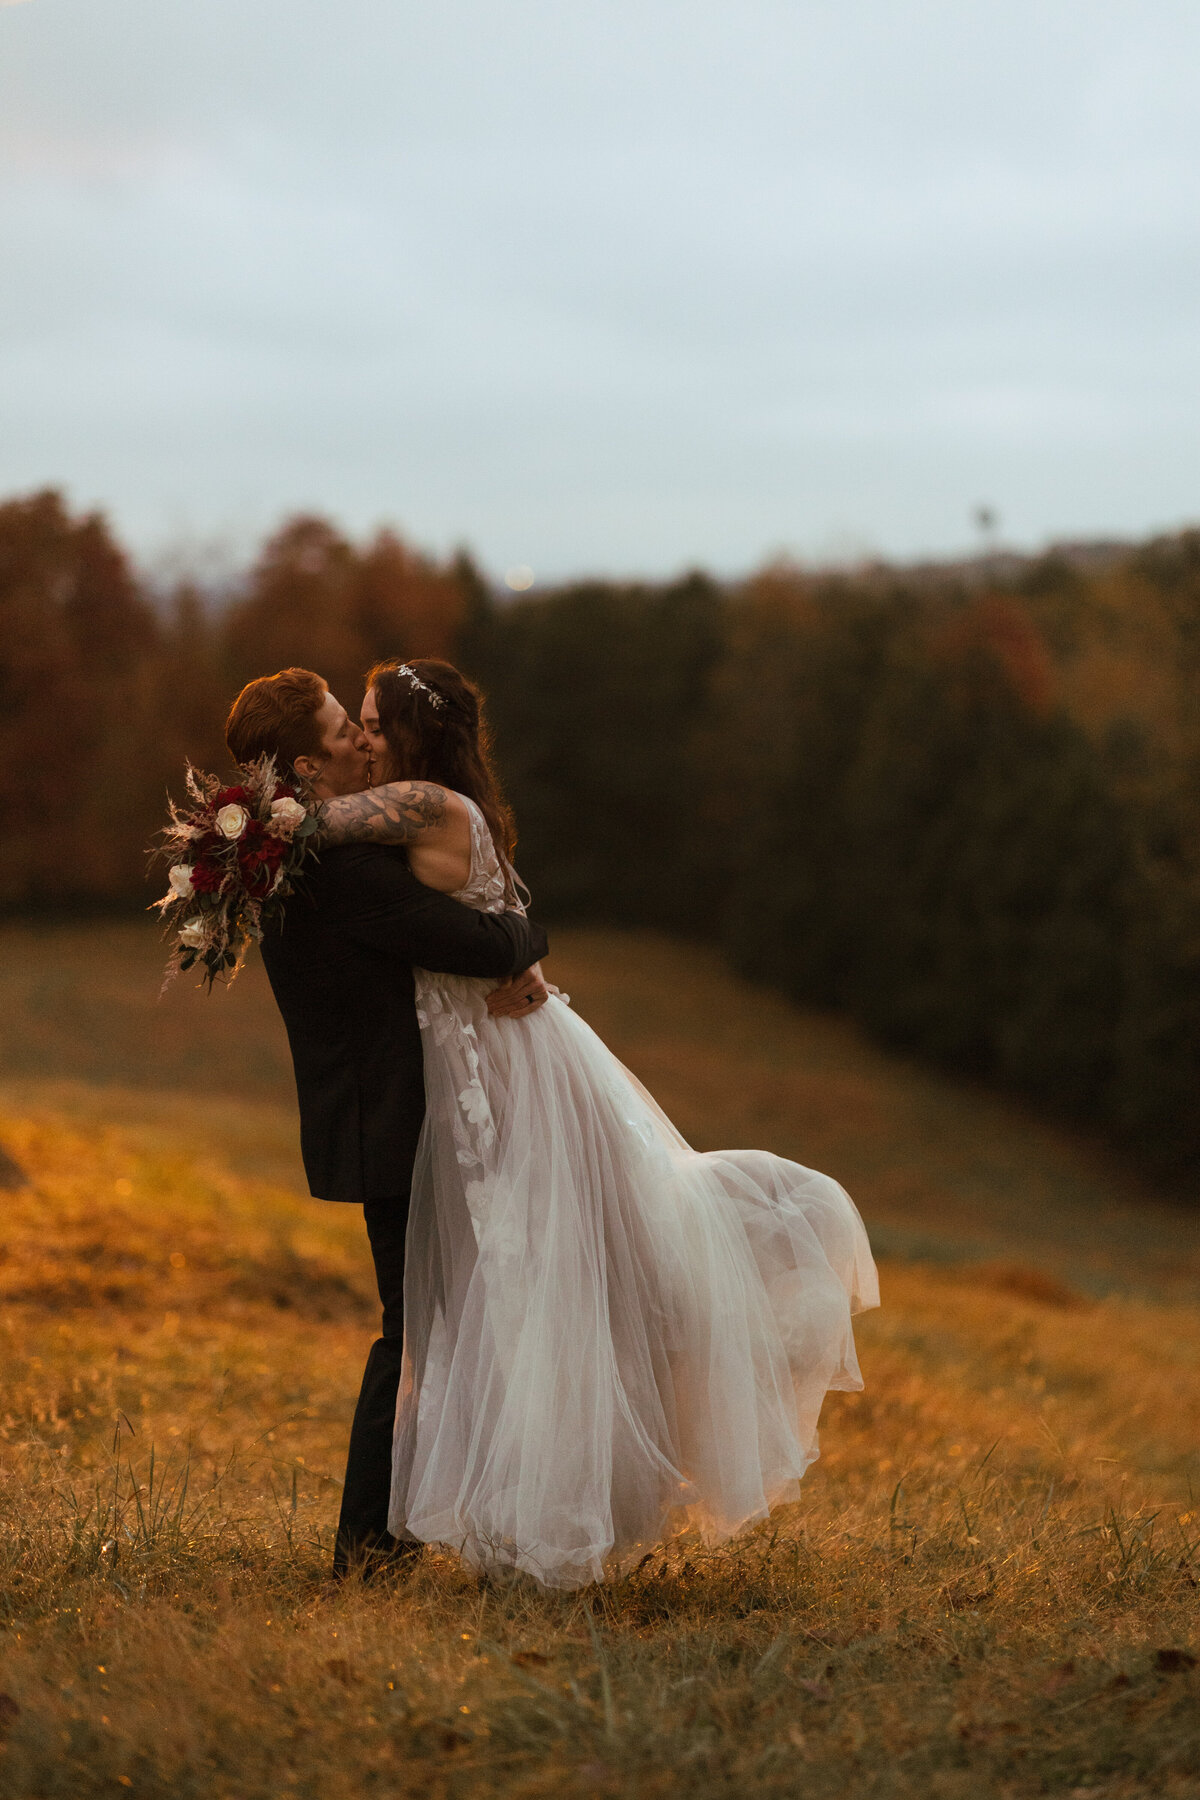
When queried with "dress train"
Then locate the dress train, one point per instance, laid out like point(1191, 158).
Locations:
point(608, 1335)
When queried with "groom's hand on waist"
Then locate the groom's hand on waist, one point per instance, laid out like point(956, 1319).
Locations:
point(517, 998)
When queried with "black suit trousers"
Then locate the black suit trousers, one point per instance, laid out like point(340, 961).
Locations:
point(362, 1527)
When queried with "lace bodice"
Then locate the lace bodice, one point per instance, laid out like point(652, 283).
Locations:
point(486, 887)
point(450, 1010)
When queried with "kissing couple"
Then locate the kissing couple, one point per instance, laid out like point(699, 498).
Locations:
point(593, 1336)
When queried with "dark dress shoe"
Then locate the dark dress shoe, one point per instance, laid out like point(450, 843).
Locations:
point(377, 1556)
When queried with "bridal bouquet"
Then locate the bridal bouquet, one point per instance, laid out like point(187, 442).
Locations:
point(235, 854)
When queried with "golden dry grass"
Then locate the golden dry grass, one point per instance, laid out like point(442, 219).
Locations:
point(988, 1587)
point(939, 1168)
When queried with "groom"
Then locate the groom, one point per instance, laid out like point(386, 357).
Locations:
point(341, 968)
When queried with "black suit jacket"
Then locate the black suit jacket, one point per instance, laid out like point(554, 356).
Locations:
point(340, 962)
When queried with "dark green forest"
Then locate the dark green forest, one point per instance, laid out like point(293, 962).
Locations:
point(959, 803)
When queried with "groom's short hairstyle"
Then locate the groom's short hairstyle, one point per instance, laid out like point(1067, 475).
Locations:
point(277, 716)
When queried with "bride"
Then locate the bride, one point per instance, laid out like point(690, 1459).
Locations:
point(608, 1336)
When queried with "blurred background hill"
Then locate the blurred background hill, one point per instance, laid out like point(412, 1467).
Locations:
point(956, 802)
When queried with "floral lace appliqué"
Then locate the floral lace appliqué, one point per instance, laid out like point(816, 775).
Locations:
point(444, 1006)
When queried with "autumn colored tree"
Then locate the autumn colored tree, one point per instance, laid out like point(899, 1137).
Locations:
point(933, 838)
point(77, 648)
point(312, 599)
point(966, 812)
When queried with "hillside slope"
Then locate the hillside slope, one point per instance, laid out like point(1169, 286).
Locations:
point(940, 1169)
point(988, 1585)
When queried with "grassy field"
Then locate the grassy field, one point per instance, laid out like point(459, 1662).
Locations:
point(989, 1586)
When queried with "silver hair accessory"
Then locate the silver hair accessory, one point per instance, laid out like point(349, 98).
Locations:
point(436, 700)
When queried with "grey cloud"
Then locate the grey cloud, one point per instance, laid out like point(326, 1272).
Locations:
point(621, 284)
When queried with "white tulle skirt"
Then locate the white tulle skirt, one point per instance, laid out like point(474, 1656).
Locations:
point(608, 1336)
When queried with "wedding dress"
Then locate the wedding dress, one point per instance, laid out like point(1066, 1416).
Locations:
point(608, 1336)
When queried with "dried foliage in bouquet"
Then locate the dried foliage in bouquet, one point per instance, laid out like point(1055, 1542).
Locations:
point(235, 855)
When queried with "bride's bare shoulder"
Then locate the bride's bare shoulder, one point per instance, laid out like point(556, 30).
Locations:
point(398, 812)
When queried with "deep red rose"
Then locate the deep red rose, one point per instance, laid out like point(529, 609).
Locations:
point(231, 796)
point(259, 856)
point(207, 875)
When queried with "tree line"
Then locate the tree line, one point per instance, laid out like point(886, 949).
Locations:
point(959, 803)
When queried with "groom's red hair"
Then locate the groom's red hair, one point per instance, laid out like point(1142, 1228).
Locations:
point(277, 716)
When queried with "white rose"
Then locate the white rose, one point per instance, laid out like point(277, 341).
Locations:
point(286, 814)
point(180, 878)
point(232, 821)
point(193, 933)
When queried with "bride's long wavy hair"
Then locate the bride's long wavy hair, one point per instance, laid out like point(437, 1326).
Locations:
point(436, 730)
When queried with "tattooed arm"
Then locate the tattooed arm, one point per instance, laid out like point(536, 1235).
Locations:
point(430, 822)
point(400, 812)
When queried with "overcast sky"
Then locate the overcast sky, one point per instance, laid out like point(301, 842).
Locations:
point(616, 285)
